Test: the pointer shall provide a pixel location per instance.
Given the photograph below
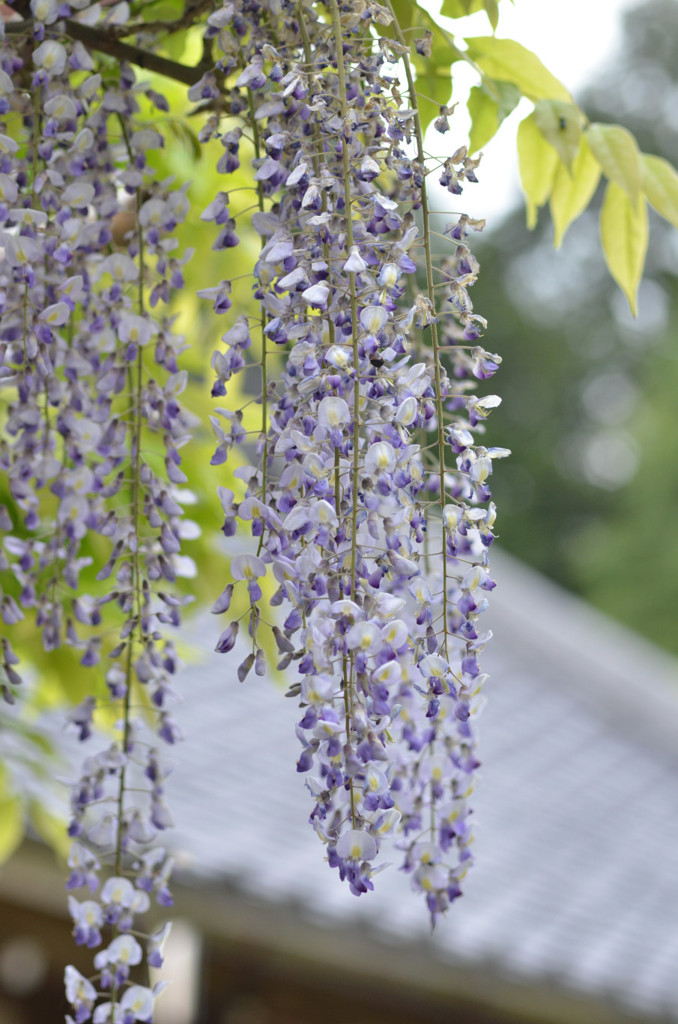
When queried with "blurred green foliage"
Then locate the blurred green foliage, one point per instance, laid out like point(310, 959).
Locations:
point(589, 394)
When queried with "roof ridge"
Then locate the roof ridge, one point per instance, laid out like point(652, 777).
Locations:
point(619, 673)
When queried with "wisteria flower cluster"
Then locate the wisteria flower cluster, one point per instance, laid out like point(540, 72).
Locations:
point(366, 486)
point(94, 425)
point(368, 494)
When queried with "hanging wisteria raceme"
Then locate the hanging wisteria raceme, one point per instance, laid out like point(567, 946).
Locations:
point(368, 495)
point(365, 483)
point(89, 363)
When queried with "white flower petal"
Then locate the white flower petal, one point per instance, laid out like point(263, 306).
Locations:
point(356, 844)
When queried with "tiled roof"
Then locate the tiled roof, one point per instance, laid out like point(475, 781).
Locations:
point(576, 875)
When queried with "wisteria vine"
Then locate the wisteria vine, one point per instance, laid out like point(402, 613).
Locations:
point(366, 490)
point(367, 496)
point(93, 523)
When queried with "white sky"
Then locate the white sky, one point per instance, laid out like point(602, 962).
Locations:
point(573, 38)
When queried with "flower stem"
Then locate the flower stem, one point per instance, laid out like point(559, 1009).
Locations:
point(135, 381)
point(264, 370)
point(430, 287)
point(349, 682)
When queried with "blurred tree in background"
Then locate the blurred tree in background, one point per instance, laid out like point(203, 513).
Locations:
point(589, 406)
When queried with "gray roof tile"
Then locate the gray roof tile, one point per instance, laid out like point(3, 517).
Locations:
point(577, 833)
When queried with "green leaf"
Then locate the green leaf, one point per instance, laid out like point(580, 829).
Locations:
point(434, 88)
point(624, 233)
point(410, 15)
point(492, 11)
point(488, 105)
point(572, 192)
point(174, 45)
point(461, 8)
point(484, 113)
point(660, 185)
point(159, 10)
point(433, 74)
point(510, 62)
point(506, 94)
point(560, 124)
point(169, 11)
point(616, 151)
point(537, 161)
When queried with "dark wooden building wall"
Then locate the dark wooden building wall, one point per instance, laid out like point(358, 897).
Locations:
point(250, 985)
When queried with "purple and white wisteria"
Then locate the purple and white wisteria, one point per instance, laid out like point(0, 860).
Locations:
point(89, 362)
point(367, 493)
point(365, 489)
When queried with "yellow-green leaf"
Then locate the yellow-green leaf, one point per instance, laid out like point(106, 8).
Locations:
point(660, 185)
point(11, 825)
point(624, 233)
point(484, 113)
point(175, 44)
point(492, 12)
point(560, 124)
point(510, 62)
point(460, 8)
point(434, 89)
point(616, 151)
point(506, 94)
point(409, 14)
point(433, 74)
point(488, 104)
point(167, 10)
point(572, 193)
point(537, 161)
